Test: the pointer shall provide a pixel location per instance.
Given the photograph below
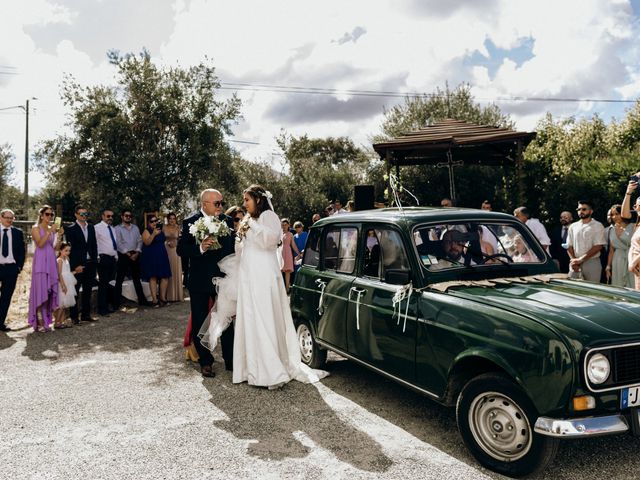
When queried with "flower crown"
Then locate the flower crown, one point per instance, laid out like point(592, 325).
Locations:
point(267, 194)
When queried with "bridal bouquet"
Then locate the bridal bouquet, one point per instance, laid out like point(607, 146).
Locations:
point(212, 227)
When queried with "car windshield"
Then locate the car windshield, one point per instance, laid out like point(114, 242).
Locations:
point(468, 244)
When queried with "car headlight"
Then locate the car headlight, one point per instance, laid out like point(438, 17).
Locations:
point(598, 369)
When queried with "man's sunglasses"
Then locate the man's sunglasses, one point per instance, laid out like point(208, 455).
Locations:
point(84, 214)
point(217, 203)
point(49, 214)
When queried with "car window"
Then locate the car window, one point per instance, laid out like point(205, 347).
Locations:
point(339, 249)
point(383, 251)
point(347, 251)
point(330, 249)
point(312, 249)
point(468, 244)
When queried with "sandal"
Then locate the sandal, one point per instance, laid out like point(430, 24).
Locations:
point(155, 304)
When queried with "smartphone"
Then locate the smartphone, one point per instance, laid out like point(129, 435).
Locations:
point(57, 222)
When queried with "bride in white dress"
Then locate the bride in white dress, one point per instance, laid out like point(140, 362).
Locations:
point(265, 347)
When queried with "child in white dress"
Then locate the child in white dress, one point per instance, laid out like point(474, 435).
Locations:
point(67, 291)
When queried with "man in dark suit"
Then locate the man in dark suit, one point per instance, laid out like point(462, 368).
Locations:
point(82, 261)
point(558, 238)
point(203, 265)
point(11, 262)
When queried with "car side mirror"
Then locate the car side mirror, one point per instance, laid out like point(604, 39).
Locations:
point(397, 276)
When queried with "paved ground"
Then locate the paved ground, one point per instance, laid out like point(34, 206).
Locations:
point(117, 400)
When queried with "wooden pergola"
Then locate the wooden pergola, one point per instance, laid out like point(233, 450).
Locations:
point(453, 143)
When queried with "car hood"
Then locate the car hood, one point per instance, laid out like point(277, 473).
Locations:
point(587, 314)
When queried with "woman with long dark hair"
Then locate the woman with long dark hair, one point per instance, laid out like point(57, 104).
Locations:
point(619, 239)
point(43, 296)
point(634, 245)
point(265, 347)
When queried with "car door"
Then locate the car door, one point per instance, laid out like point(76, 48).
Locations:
point(332, 284)
point(380, 331)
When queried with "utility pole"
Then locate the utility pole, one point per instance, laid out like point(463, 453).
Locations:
point(26, 164)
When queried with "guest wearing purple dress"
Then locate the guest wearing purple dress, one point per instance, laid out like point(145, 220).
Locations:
point(43, 296)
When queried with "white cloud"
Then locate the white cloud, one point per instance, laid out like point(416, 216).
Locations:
point(581, 48)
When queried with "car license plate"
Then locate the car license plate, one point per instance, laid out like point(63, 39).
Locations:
point(630, 397)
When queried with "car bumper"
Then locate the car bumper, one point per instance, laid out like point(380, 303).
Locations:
point(582, 427)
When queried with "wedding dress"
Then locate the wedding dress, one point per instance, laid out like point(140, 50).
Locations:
point(265, 348)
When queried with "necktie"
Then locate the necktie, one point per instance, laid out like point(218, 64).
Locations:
point(564, 234)
point(5, 243)
point(113, 239)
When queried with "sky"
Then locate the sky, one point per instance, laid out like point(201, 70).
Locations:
point(504, 49)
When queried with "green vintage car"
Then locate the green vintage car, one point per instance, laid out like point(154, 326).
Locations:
point(466, 307)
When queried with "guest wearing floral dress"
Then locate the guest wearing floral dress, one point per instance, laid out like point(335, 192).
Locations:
point(155, 261)
point(288, 247)
point(175, 291)
point(43, 296)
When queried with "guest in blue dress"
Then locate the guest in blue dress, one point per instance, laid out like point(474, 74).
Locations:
point(300, 239)
point(155, 261)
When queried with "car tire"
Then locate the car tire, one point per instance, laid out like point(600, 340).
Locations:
point(310, 352)
point(496, 419)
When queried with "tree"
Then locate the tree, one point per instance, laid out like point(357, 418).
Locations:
point(319, 171)
point(152, 140)
point(429, 183)
point(6, 167)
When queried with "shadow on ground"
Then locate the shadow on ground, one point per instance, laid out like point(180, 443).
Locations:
point(270, 419)
point(133, 329)
point(5, 341)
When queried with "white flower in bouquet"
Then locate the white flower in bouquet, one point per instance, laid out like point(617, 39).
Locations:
point(209, 227)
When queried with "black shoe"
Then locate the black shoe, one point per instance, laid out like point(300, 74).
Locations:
point(4, 328)
point(228, 366)
point(89, 319)
point(103, 314)
point(75, 321)
point(207, 371)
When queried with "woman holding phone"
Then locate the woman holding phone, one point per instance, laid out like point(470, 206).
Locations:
point(43, 296)
point(634, 247)
point(155, 261)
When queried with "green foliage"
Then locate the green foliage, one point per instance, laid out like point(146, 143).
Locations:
point(430, 184)
point(151, 141)
point(420, 111)
point(6, 167)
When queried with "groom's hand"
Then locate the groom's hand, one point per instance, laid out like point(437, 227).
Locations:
point(206, 243)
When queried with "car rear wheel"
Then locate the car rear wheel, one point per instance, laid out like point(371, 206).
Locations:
point(496, 418)
point(311, 353)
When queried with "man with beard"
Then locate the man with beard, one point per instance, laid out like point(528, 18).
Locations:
point(129, 244)
point(585, 239)
point(558, 239)
point(453, 246)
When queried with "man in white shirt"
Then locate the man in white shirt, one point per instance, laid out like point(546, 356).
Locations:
point(522, 214)
point(107, 261)
point(338, 210)
point(585, 239)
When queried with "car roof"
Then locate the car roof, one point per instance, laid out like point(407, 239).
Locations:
point(413, 215)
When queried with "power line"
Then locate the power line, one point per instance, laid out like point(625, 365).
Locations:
point(391, 94)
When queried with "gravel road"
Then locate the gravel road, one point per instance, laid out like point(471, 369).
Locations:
point(117, 400)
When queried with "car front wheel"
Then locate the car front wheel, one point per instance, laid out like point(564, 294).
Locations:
point(496, 418)
point(310, 352)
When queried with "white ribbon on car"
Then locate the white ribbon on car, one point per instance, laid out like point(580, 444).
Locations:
point(396, 189)
point(322, 286)
point(358, 292)
point(403, 293)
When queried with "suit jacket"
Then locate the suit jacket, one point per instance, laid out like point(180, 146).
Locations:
point(17, 242)
point(557, 251)
point(79, 246)
point(203, 266)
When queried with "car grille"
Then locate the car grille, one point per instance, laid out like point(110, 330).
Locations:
point(626, 361)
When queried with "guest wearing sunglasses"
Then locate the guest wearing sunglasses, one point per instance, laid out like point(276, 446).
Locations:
point(43, 296)
point(83, 262)
point(203, 268)
point(585, 239)
point(175, 290)
point(107, 262)
point(155, 261)
point(129, 244)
